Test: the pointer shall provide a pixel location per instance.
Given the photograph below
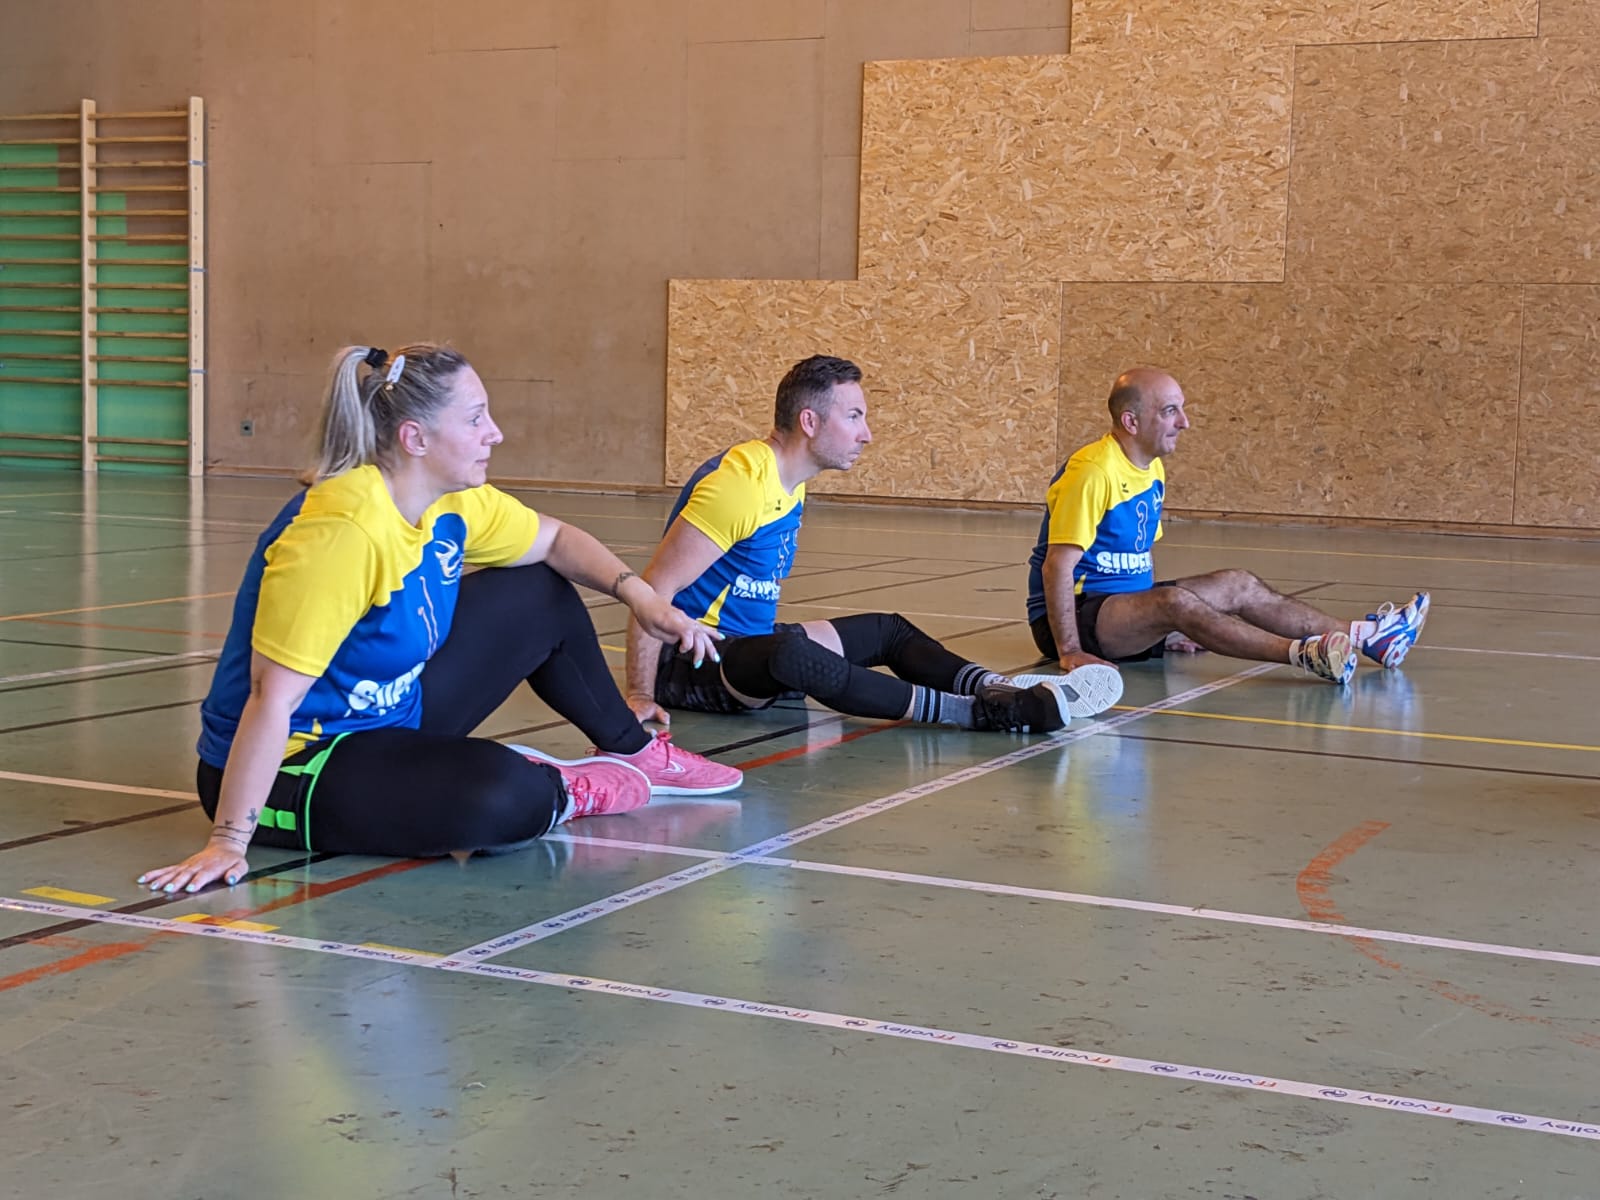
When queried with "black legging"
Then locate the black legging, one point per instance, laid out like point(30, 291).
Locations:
point(417, 793)
point(771, 664)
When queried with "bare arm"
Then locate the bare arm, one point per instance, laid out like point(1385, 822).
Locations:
point(579, 556)
point(253, 762)
point(682, 557)
point(1061, 603)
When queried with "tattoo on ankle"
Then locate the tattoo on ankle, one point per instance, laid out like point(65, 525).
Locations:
point(616, 584)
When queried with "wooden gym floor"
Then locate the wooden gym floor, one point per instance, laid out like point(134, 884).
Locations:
point(1249, 935)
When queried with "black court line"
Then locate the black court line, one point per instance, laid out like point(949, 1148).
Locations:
point(157, 901)
point(1435, 590)
point(98, 676)
point(120, 712)
point(125, 550)
point(1377, 758)
point(92, 826)
point(79, 646)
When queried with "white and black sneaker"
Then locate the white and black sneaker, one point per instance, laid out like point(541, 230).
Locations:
point(1091, 688)
point(1001, 707)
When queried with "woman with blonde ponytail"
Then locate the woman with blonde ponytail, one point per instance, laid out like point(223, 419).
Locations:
point(362, 654)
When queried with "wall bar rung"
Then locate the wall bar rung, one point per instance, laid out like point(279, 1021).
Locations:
point(40, 333)
point(137, 441)
point(42, 437)
point(39, 142)
point(141, 383)
point(63, 380)
point(38, 454)
point(97, 309)
point(131, 140)
point(37, 308)
point(40, 262)
point(33, 356)
point(145, 358)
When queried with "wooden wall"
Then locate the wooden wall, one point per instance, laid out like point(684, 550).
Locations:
point(1365, 237)
point(521, 177)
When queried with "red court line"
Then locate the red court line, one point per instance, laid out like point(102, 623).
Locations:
point(122, 628)
point(798, 751)
point(313, 891)
point(1312, 885)
point(302, 893)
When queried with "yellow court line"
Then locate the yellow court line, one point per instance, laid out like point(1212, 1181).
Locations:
point(225, 922)
point(87, 899)
point(62, 612)
point(614, 649)
point(1411, 733)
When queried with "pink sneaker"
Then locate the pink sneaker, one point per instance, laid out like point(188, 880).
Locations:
point(676, 772)
point(597, 787)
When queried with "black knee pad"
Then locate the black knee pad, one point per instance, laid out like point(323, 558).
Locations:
point(801, 665)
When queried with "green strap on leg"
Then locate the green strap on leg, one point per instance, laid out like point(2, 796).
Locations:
point(282, 818)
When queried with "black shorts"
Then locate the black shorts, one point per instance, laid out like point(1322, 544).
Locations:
point(1088, 613)
point(681, 684)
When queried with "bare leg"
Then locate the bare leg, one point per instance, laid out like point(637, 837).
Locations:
point(1244, 595)
point(1129, 622)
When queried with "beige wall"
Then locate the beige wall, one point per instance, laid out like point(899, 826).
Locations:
point(1366, 237)
point(519, 176)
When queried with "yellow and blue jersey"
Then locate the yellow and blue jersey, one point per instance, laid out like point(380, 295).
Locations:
point(1112, 509)
point(343, 588)
point(738, 501)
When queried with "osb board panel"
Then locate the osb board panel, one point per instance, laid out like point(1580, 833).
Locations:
point(1451, 161)
point(1385, 401)
point(1109, 166)
point(1559, 443)
point(1569, 18)
point(960, 378)
point(1168, 23)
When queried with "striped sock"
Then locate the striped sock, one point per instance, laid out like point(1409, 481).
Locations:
point(972, 677)
point(932, 707)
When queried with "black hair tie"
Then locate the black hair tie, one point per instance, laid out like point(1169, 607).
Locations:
point(376, 357)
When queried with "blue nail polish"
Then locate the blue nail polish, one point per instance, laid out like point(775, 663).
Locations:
point(232, 879)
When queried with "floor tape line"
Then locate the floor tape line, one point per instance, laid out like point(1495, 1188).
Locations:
point(550, 926)
point(1183, 1073)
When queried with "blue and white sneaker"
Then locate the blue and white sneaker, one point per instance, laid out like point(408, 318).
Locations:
point(1329, 656)
point(1090, 689)
point(1397, 631)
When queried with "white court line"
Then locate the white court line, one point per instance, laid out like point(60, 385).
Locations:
point(110, 666)
point(219, 522)
point(1516, 653)
point(1181, 1073)
point(89, 785)
point(1093, 901)
point(668, 883)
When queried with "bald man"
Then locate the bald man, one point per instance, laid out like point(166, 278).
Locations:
point(1092, 595)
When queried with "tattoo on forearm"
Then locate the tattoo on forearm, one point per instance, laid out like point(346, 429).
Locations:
point(616, 584)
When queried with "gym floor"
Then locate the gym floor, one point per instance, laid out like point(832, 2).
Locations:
point(1247, 935)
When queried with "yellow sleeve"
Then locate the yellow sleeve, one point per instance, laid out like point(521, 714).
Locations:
point(726, 506)
point(318, 582)
point(500, 529)
point(1078, 501)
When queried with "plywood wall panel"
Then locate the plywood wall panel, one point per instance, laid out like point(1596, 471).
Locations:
point(841, 209)
point(752, 102)
point(607, 323)
point(1569, 18)
point(960, 378)
point(859, 32)
point(1169, 24)
point(487, 282)
point(1044, 39)
point(1020, 14)
point(1100, 167)
point(284, 410)
point(494, 24)
point(261, 190)
point(365, 289)
point(370, 57)
point(1558, 450)
point(1456, 162)
point(1387, 401)
point(622, 79)
point(742, 21)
